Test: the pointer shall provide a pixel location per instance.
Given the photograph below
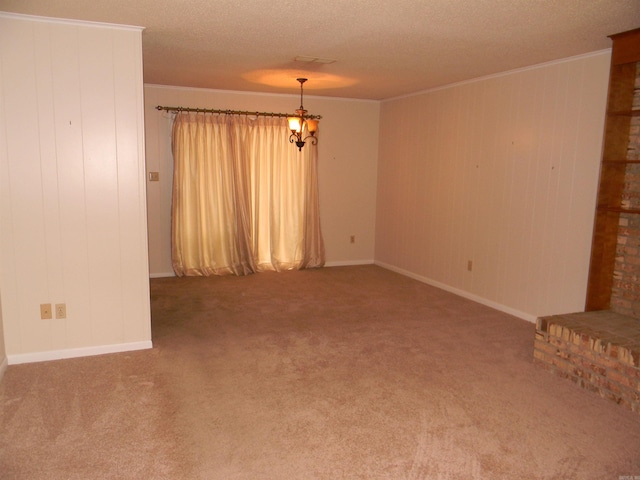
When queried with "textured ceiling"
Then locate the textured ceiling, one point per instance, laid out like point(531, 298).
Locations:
point(382, 48)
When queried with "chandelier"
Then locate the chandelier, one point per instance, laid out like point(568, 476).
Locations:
point(303, 124)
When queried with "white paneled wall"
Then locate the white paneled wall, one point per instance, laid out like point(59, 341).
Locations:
point(501, 172)
point(73, 208)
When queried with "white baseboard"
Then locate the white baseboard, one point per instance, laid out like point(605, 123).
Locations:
point(489, 303)
point(348, 263)
point(3, 367)
point(162, 275)
point(345, 263)
point(77, 352)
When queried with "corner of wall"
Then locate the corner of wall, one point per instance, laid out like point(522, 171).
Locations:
point(3, 367)
point(3, 353)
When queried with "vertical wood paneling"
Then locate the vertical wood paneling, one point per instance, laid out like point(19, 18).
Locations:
point(71, 182)
point(468, 182)
point(582, 218)
point(131, 184)
point(30, 256)
point(6, 240)
point(509, 164)
point(543, 148)
point(517, 201)
point(49, 181)
point(566, 172)
point(73, 203)
point(9, 286)
point(101, 179)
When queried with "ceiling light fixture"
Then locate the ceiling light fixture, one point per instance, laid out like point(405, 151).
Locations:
point(302, 124)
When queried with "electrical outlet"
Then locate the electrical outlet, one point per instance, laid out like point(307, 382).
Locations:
point(353, 239)
point(61, 310)
point(45, 311)
point(470, 265)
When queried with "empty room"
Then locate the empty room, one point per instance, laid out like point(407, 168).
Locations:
point(341, 240)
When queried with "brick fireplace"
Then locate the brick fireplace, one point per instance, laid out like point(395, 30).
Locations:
point(600, 350)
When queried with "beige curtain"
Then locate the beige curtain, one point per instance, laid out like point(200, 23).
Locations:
point(244, 199)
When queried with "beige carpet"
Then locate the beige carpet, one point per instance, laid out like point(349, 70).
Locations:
point(337, 373)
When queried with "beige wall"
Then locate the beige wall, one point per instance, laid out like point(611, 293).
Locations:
point(501, 172)
point(72, 190)
point(347, 165)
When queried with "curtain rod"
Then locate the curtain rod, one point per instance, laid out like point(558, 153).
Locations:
point(233, 112)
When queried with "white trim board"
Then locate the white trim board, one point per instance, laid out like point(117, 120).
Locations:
point(68, 21)
point(162, 275)
point(498, 306)
point(77, 352)
point(348, 263)
point(345, 263)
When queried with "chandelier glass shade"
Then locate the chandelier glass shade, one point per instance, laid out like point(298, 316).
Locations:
point(303, 127)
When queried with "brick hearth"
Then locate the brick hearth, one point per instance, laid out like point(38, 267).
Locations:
point(599, 351)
